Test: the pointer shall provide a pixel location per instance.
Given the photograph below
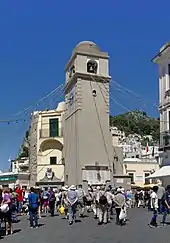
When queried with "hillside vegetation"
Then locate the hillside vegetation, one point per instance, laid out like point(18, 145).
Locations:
point(137, 122)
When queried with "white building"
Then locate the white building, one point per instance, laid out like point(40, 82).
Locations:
point(163, 61)
point(20, 165)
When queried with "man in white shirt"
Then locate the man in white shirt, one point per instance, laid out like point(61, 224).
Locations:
point(154, 206)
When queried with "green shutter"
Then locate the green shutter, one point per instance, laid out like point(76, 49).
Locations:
point(54, 129)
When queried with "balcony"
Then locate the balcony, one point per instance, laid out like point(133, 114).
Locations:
point(166, 100)
point(46, 133)
point(165, 140)
point(23, 165)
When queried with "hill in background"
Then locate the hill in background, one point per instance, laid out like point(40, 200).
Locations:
point(138, 122)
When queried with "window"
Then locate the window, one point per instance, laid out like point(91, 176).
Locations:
point(53, 126)
point(53, 160)
point(169, 69)
point(132, 177)
point(137, 156)
point(147, 181)
point(168, 120)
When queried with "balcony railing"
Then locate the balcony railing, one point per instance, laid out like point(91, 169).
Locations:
point(23, 165)
point(165, 140)
point(46, 133)
point(166, 99)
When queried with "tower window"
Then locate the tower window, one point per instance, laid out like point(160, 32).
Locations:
point(92, 66)
point(53, 160)
point(94, 93)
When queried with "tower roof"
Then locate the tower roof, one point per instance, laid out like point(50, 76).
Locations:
point(87, 46)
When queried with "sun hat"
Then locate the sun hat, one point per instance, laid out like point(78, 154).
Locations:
point(72, 187)
point(65, 188)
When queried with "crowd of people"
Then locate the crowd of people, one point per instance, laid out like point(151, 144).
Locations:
point(73, 201)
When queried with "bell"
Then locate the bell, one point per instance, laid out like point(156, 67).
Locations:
point(91, 68)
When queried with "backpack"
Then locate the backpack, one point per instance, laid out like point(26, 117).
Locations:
point(89, 197)
point(52, 197)
point(80, 193)
point(103, 200)
point(45, 195)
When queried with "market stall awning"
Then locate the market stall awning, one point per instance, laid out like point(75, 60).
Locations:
point(163, 172)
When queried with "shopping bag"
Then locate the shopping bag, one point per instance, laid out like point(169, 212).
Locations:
point(62, 210)
point(122, 214)
point(4, 208)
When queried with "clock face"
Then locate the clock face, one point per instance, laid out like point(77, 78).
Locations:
point(71, 97)
point(71, 71)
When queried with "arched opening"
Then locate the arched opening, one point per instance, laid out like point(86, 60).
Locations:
point(51, 152)
point(92, 66)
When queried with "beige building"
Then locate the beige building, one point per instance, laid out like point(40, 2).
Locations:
point(139, 169)
point(46, 146)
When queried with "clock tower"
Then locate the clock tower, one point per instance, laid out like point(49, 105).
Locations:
point(88, 151)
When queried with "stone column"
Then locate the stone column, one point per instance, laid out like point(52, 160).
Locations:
point(33, 150)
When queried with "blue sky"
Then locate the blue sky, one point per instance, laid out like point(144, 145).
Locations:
point(36, 41)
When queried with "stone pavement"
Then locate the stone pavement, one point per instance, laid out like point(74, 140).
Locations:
point(57, 230)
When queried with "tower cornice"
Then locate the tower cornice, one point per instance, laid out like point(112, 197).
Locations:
point(87, 77)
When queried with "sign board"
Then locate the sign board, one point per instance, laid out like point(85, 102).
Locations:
point(8, 178)
point(119, 180)
point(96, 176)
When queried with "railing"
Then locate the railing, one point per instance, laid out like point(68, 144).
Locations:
point(25, 164)
point(165, 139)
point(46, 133)
point(166, 100)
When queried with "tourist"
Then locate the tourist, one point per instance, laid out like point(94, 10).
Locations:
point(154, 206)
point(7, 214)
point(33, 208)
point(166, 204)
point(103, 204)
point(13, 206)
point(19, 192)
point(119, 201)
point(129, 198)
point(58, 196)
point(81, 200)
point(52, 200)
point(95, 203)
point(64, 201)
point(89, 199)
point(72, 203)
point(160, 193)
point(45, 195)
point(110, 198)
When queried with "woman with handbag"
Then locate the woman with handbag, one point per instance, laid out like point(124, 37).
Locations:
point(7, 211)
point(119, 200)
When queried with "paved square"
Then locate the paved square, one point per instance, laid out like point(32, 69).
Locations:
point(57, 230)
